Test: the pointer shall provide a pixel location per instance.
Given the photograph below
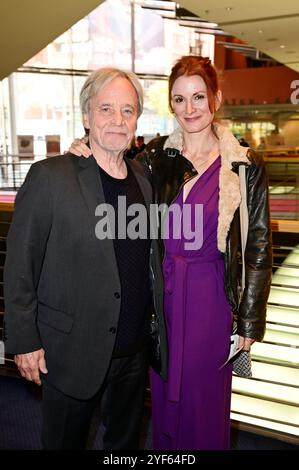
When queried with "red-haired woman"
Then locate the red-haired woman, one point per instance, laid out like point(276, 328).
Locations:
point(198, 165)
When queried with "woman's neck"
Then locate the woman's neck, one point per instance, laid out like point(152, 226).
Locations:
point(199, 146)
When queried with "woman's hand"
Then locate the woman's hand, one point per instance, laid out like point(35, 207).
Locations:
point(79, 147)
point(245, 343)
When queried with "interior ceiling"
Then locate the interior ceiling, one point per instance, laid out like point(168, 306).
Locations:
point(27, 26)
point(271, 26)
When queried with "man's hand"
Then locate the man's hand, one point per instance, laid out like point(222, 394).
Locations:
point(80, 148)
point(30, 364)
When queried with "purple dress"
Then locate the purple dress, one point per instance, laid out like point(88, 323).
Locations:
point(191, 410)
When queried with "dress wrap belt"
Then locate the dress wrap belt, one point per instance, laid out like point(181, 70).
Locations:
point(175, 269)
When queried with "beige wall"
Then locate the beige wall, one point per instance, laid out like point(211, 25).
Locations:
point(27, 26)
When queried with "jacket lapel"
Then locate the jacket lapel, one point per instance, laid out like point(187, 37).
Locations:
point(89, 180)
point(229, 187)
point(229, 201)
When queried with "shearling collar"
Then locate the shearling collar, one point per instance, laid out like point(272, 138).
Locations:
point(229, 188)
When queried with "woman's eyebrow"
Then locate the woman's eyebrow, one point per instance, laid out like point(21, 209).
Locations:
point(196, 93)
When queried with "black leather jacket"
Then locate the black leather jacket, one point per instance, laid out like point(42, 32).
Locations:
point(170, 170)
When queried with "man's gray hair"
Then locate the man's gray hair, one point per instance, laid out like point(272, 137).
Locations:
point(101, 77)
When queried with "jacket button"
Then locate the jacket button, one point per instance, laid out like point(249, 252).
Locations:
point(117, 295)
point(112, 330)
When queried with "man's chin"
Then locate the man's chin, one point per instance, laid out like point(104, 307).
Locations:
point(117, 143)
point(115, 149)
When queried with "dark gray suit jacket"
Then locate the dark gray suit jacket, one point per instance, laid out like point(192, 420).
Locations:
point(62, 288)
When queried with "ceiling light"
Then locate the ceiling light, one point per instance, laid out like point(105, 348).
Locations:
point(282, 46)
point(165, 13)
point(193, 21)
point(261, 31)
point(229, 8)
point(215, 32)
point(157, 5)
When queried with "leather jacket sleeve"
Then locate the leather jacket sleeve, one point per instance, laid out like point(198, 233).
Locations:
point(258, 253)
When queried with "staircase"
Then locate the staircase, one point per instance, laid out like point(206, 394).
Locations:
point(268, 403)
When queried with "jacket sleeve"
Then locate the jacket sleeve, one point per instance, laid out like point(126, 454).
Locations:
point(26, 246)
point(258, 254)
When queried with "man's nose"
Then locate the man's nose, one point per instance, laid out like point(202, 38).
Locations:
point(118, 117)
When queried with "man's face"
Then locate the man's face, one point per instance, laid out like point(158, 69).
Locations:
point(112, 119)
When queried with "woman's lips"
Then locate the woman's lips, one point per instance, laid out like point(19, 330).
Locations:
point(192, 119)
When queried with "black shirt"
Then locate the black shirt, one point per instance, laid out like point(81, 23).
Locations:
point(132, 256)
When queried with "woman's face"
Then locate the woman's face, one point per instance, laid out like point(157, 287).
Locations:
point(190, 103)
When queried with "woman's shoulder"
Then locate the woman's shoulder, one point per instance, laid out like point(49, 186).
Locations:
point(255, 158)
point(156, 144)
point(152, 150)
point(256, 170)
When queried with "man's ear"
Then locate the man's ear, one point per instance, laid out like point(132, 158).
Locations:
point(218, 100)
point(86, 121)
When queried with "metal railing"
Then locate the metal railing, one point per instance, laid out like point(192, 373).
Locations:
point(12, 174)
point(283, 181)
point(283, 173)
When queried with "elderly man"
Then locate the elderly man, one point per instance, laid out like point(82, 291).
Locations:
point(77, 305)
